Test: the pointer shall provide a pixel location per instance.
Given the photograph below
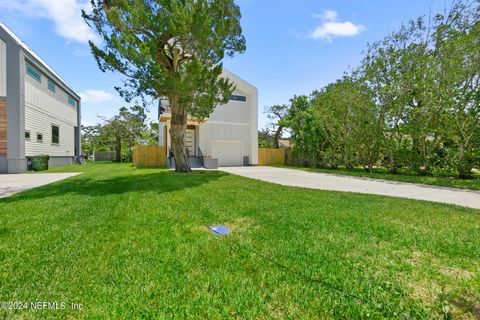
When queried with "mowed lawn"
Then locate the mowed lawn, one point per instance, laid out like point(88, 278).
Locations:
point(130, 243)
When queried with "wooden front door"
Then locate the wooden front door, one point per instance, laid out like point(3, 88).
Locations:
point(190, 142)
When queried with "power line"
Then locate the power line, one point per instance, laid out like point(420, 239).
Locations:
point(306, 277)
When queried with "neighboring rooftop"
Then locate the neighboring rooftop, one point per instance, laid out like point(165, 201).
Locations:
point(284, 143)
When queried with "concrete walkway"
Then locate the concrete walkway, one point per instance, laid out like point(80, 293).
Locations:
point(323, 181)
point(14, 183)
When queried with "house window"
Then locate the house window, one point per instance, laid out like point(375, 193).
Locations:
point(72, 101)
point(27, 135)
point(55, 134)
point(238, 98)
point(39, 137)
point(51, 85)
point(34, 73)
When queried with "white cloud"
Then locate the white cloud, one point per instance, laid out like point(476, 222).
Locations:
point(65, 14)
point(331, 27)
point(96, 96)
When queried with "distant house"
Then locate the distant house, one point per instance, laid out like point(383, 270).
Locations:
point(39, 112)
point(284, 143)
point(230, 134)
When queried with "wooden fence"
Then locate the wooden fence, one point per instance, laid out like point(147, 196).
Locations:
point(150, 156)
point(269, 157)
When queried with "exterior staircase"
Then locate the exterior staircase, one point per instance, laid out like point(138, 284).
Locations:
point(195, 162)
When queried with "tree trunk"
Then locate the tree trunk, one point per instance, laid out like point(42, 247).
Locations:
point(118, 148)
point(464, 170)
point(277, 136)
point(177, 134)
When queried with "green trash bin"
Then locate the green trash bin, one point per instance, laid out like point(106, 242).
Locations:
point(40, 163)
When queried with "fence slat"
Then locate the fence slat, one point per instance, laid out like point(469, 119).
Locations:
point(150, 156)
point(269, 157)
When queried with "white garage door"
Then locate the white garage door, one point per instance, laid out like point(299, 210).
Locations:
point(228, 153)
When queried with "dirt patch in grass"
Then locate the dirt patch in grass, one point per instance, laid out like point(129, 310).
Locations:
point(457, 273)
point(409, 225)
point(466, 308)
point(416, 258)
point(425, 291)
point(240, 225)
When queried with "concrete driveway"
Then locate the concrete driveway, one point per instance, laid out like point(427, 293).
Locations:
point(14, 183)
point(323, 181)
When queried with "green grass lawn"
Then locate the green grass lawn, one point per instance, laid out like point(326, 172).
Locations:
point(472, 184)
point(131, 243)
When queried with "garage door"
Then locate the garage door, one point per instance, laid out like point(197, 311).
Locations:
point(228, 153)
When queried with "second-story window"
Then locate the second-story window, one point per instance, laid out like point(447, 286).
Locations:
point(72, 101)
point(238, 98)
point(34, 73)
point(51, 85)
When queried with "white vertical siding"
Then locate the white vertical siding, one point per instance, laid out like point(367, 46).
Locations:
point(44, 108)
point(209, 132)
point(38, 95)
point(231, 122)
point(233, 111)
point(38, 121)
point(228, 122)
point(3, 69)
point(235, 122)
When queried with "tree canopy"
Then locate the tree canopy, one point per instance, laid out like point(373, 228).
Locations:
point(412, 103)
point(169, 48)
point(120, 133)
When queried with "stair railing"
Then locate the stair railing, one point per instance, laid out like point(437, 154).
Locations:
point(200, 154)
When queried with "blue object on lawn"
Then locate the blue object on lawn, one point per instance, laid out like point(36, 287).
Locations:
point(219, 230)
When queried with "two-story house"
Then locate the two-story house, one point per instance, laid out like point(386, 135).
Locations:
point(230, 134)
point(39, 112)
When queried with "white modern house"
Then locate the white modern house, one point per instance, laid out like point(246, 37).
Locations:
point(39, 112)
point(230, 134)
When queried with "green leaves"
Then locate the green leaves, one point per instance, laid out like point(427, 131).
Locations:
point(413, 102)
point(169, 47)
point(121, 133)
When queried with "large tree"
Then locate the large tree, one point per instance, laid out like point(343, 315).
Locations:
point(457, 44)
point(307, 137)
point(170, 48)
point(124, 130)
point(277, 115)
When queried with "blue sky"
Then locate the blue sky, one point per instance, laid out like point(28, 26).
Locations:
point(293, 47)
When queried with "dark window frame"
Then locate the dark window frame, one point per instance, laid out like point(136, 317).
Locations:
point(52, 86)
point(33, 72)
point(56, 141)
point(27, 133)
point(39, 134)
point(72, 101)
point(240, 98)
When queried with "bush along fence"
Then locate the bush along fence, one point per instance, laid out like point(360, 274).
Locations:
point(150, 156)
point(269, 157)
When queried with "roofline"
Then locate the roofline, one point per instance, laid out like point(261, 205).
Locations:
point(35, 58)
point(242, 82)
